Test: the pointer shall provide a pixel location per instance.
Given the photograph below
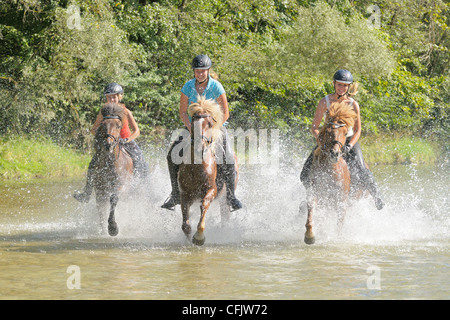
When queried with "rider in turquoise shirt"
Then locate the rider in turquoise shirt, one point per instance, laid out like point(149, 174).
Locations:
point(203, 85)
point(213, 90)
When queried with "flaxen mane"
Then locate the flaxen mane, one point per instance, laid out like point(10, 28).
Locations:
point(209, 106)
point(340, 112)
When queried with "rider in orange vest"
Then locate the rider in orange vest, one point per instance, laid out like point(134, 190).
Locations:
point(114, 94)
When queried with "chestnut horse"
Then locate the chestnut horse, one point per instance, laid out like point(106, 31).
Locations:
point(113, 171)
point(330, 175)
point(197, 176)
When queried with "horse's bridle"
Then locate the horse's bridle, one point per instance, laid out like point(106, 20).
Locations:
point(335, 125)
point(202, 116)
point(108, 135)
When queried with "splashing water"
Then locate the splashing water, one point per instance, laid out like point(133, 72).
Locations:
point(275, 211)
point(258, 254)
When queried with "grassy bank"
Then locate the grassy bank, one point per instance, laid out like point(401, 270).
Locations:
point(23, 158)
point(400, 150)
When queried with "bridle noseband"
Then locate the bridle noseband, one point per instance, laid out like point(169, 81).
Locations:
point(202, 116)
point(335, 125)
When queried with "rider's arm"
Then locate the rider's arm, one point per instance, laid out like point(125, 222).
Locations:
point(135, 132)
point(318, 116)
point(184, 103)
point(356, 126)
point(222, 100)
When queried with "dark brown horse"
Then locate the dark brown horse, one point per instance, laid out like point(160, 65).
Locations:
point(113, 171)
point(197, 176)
point(330, 175)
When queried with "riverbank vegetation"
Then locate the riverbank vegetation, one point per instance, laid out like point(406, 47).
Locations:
point(24, 158)
point(275, 59)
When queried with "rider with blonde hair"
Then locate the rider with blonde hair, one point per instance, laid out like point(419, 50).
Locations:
point(203, 84)
point(361, 176)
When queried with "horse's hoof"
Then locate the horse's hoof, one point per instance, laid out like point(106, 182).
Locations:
point(113, 230)
point(310, 240)
point(198, 242)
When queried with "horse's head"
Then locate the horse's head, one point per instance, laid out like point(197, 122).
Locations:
point(207, 118)
point(340, 117)
point(108, 134)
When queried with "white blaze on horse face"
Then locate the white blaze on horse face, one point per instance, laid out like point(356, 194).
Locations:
point(198, 141)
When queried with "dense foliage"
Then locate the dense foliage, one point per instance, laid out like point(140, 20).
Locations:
point(275, 59)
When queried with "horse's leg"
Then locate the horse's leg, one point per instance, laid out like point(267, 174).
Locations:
point(344, 199)
point(309, 234)
point(199, 237)
point(342, 210)
point(185, 207)
point(113, 230)
point(101, 204)
point(224, 210)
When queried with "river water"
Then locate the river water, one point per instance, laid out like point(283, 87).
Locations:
point(50, 247)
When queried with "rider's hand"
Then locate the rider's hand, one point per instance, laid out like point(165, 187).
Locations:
point(347, 149)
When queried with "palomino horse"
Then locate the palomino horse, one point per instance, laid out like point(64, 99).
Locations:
point(113, 171)
point(330, 175)
point(197, 176)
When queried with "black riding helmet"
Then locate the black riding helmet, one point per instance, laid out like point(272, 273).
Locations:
point(343, 76)
point(113, 88)
point(201, 61)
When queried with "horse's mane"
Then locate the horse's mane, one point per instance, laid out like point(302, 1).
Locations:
point(340, 112)
point(212, 108)
point(113, 109)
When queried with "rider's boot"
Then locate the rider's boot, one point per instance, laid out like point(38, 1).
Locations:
point(174, 197)
point(372, 187)
point(230, 179)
